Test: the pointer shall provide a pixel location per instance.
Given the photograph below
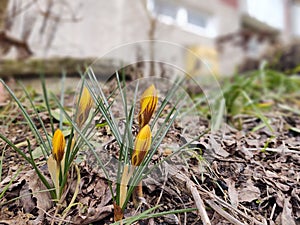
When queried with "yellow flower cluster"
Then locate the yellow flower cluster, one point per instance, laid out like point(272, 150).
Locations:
point(142, 143)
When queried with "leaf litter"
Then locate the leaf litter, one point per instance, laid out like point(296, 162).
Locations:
point(237, 176)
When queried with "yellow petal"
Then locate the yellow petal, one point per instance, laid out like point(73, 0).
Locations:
point(84, 108)
point(141, 146)
point(148, 105)
point(58, 145)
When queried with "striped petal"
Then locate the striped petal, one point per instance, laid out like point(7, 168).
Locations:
point(148, 105)
point(85, 105)
point(141, 146)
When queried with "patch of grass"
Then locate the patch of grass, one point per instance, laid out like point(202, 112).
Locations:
point(261, 86)
point(258, 93)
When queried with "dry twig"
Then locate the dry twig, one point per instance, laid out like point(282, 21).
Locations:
point(223, 213)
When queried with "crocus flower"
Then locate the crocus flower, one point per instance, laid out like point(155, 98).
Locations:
point(58, 144)
point(85, 105)
point(148, 105)
point(141, 145)
point(54, 161)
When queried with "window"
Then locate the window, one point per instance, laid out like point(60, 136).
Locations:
point(189, 19)
point(197, 19)
point(165, 9)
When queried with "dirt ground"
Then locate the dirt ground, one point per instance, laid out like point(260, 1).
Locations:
point(244, 175)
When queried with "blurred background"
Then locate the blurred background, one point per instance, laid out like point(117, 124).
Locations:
point(228, 35)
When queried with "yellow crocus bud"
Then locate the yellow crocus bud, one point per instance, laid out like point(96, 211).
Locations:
point(148, 105)
point(58, 146)
point(141, 146)
point(85, 105)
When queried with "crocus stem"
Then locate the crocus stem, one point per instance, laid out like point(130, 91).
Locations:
point(137, 194)
point(123, 186)
point(57, 181)
point(118, 213)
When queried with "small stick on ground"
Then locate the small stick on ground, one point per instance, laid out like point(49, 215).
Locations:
point(223, 213)
point(274, 150)
point(230, 207)
point(162, 189)
point(199, 202)
point(190, 188)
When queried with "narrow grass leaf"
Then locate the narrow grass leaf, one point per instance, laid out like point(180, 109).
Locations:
point(45, 151)
point(1, 164)
point(10, 182)
point(28, 119)
point(258, 112)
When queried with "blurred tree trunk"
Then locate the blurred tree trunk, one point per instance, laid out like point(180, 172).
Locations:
point(7, 41)
point(3, 7)
point(151, 35)
point(18, 35)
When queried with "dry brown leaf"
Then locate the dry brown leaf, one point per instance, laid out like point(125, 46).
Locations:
point(94, 214)
point(26, 199)
point(232, 192)
point(279, 198)
point(254, 143)
point(20, 219)
point(218, 148)
point(40, 199)
point(283, 187)
point(246, 153)
point(248, 192)
point(286, 216)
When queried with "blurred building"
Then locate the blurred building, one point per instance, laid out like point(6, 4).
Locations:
point(221, 32)
point(265, 25)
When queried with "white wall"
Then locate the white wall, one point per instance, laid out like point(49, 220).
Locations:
point(296, 19)
point(268, 11)
point(104, 25)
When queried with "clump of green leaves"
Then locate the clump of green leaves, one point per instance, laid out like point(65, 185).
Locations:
point(136, 152)
point(57, 150)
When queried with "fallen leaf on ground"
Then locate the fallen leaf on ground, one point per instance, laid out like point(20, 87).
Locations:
point(232, 192)
point(286, 216)
point(248, 192)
